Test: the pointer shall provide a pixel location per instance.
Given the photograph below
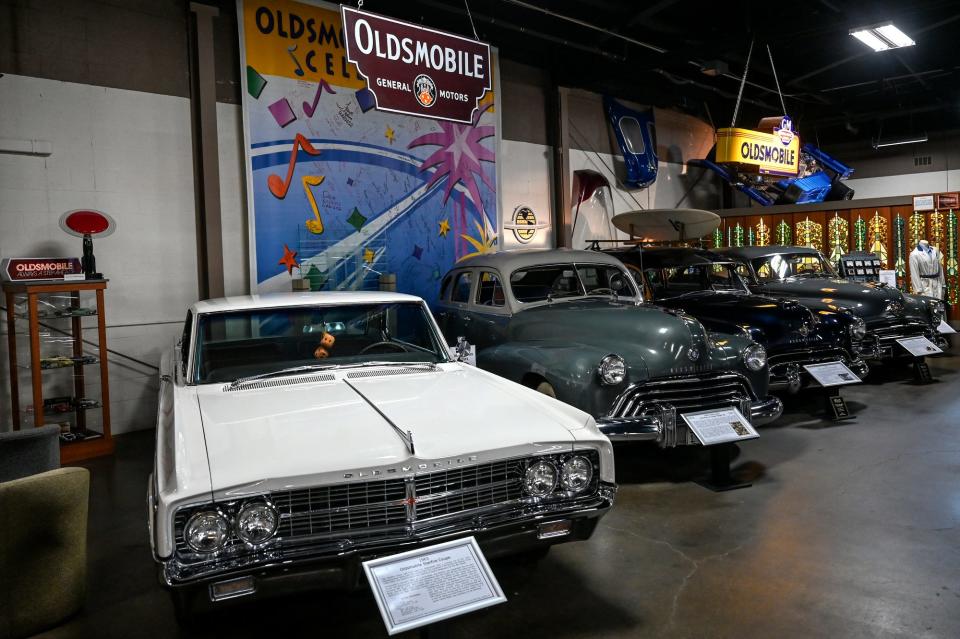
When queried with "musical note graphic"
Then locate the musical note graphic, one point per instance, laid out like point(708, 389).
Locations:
point(310, 109)
point(299, 70)
point(315, 226)
point(279, 187)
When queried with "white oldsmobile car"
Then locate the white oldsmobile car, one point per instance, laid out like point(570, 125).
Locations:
point(300, 434)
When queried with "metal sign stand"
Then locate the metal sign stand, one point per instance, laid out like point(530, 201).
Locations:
point(439, 630)
point(720, 479)
point(921, 372)
point(837, 409)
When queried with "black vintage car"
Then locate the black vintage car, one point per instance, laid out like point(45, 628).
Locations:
point(805, 275)
point(707, 286)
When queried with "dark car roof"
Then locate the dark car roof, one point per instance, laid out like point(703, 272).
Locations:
point(753, 252)
point(663, 256)
point(509, 261)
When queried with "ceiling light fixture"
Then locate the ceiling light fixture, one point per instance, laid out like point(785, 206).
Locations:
point(914, 140)
point(882, 37)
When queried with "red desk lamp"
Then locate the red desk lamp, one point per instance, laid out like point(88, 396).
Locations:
point(86, 223)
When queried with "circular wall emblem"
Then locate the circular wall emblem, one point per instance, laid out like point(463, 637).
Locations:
point(425, 90)
point(693, 354)
point(524, 216)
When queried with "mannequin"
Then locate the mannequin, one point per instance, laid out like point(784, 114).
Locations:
point(926, 274)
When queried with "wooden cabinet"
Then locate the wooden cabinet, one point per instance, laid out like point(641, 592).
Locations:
point(57, 342)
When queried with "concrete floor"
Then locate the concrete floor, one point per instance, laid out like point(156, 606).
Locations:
point(850, 530)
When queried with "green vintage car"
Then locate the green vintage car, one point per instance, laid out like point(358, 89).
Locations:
point(571, 324)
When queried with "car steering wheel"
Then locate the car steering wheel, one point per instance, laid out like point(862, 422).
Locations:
point(369, 347)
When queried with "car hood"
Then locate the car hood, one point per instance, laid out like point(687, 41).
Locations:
point(314, 433)
point(773, 322)
point(867, 300)
point(658, 337)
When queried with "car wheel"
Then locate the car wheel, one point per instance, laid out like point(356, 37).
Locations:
point(545, 388)
point(184, 612)
point(533, 555)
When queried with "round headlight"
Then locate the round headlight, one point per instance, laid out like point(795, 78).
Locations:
point(206, 531)
point(936, 312)
point(755, 357)
point(541, 479)
point(576, 473)
point(256, 523)
point(613, 370)
point(858, 328)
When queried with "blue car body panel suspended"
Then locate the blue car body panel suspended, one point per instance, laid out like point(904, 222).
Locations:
point(636, 136)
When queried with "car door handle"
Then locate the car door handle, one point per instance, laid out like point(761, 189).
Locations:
point(166, 378)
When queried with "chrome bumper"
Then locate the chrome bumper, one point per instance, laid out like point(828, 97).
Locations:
point(791, 377)
point(668, 429)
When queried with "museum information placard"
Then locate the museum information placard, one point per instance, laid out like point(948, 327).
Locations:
point(719, 426)
point(427, 585)
point(832, 374)
point(919, 346)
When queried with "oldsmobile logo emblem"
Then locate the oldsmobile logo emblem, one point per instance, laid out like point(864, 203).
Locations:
point(895, 307)
point(425, 90)
point(804, 330)
point(524, 217)
point(693, 354)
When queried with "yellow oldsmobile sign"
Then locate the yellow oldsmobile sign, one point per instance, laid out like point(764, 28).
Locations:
point(770, 153)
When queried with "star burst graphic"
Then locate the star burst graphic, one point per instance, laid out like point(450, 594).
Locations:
point(459, 156)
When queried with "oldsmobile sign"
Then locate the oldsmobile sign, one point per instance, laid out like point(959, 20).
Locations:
point(770, 153)
point(417, 71)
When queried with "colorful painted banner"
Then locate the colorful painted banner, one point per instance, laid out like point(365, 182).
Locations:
point(768, 153)
point(417, 71)
point(338, 192)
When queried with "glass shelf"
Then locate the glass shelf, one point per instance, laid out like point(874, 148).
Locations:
point(52, 363)
point(65, 405)
point(60, 313)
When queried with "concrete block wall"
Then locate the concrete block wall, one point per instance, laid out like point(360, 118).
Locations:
point(128, 153)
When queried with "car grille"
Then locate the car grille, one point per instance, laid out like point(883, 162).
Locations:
point(891, 332)
point(685, 394)
point(367, 510)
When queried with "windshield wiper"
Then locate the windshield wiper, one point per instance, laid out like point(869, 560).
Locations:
point(283, 371)
point(429, 365)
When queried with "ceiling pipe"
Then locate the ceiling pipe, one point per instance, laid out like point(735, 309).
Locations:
point(586, 25)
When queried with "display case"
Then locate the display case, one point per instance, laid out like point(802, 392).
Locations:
point(57, 343)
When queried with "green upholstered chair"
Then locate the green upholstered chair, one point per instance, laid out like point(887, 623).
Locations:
point(43, 535)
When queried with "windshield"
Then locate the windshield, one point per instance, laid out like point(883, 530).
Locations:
point(779, 267)
point(245, 343)
point(556, 281)
point(680, 280)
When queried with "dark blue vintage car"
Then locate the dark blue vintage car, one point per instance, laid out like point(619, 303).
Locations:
point(804, 274)
point(707, 286)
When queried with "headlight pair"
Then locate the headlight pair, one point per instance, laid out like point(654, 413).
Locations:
point(755, 357)
point(542, 477)
point(208, 530)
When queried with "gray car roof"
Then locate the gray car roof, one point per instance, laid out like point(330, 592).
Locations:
point(753, 252)
point(509, 261)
